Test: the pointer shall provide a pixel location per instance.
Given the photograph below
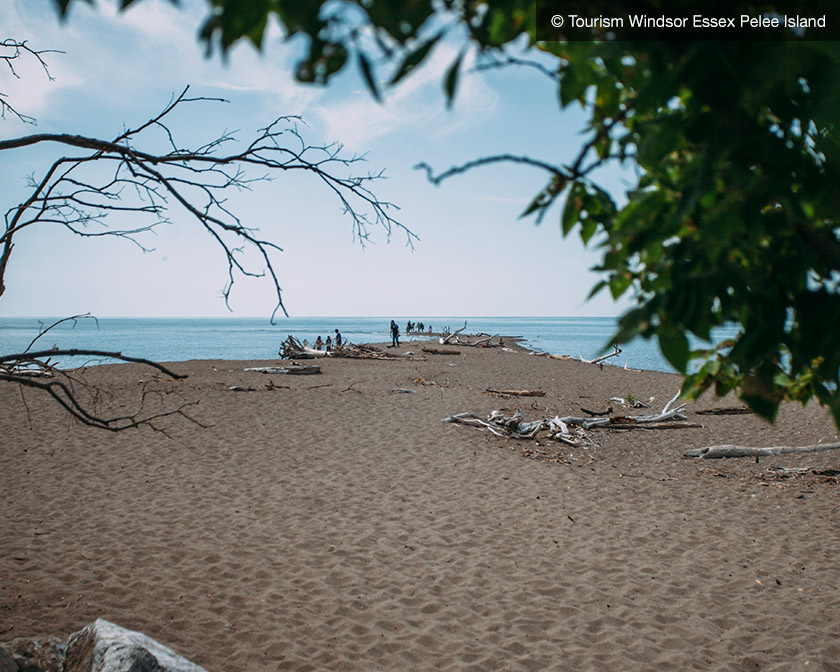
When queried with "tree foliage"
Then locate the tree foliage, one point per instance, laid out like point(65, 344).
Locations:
point(734, 217)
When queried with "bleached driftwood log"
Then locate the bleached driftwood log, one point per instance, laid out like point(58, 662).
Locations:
point(485, 342)
point(445, 339)
point(292, 370)
point(615, 353)
point(292, 348)
point(499, 424)
point(726, 450)
point(517, 393)
point(629, 421)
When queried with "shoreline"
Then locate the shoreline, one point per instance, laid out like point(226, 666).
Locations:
point(169, 340)
point(326, 522)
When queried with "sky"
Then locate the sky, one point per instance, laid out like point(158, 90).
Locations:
point(474, 256)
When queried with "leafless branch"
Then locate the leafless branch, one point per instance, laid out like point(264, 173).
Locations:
point(35, 370)
point(119, 176)
point(43, 330)
point(11, 51)
point(561, 176)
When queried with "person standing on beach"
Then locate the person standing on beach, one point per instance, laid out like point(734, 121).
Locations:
point(328, 343)
point(337, 339)
point(395, 335)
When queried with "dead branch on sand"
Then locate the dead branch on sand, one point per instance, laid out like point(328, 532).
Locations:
point(715, 452)
point(516, 393)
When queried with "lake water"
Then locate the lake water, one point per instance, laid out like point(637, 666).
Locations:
point(177, 339)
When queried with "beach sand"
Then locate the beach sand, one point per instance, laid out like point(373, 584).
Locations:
point(331, 524)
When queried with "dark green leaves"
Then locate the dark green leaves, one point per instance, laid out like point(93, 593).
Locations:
point(414, 58)
point(450, 81)
point(674, 345)
point(367, 74)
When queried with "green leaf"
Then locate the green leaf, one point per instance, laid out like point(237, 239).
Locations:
point(414, 58)
point(674, 346)
point(588, 228)
point(760, 397)
point(571, 211)
point(619, 284)
point(450, 82)
point(64, 5)
point(597, 288)
point(367, 74)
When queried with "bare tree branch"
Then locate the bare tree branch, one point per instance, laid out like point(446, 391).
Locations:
point(43, 330)
point(141, 175)
point(11, 51)
point(119, 176)
point(34, 369)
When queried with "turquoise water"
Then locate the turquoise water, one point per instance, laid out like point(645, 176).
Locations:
point(177, 339)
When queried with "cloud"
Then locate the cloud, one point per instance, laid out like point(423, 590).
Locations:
point(416, 103)
point(30, 89)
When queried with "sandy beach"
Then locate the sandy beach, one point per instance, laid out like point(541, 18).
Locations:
point(326, 522)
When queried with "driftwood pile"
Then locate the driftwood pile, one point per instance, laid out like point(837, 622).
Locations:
point(292, 348)
point(560, 429)
point(475, 340)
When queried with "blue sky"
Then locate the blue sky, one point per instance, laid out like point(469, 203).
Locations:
point(474, 256)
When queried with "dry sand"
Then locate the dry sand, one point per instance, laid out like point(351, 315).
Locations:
point(335, 525)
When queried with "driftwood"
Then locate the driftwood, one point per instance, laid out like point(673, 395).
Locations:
point(438, 351)
point(652, 425)
point(615, 353)
point(353, 351)
point(514, 426)
point(444, 340)
point(500, 425)
point(559, 428)
point(517, 393)
point(290, 370)
point(484, 342)
point(630, 421)
point(292, 348)
point(715, 452)
point(731, 410)
point(597, 413)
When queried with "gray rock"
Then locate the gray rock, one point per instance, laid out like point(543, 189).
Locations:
point(7, 661)
point(41, 654)
point(105, 647)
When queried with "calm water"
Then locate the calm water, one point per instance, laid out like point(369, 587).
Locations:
point(176, 339)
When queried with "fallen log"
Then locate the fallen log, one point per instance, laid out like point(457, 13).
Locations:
point(615, 353)
point(482, 341)
point(444, 341)
point(517, 393)
point(597, 413)
point(732, 410)
point(651, 425)
point(437, 351)
point(291, 370)
point(727, 450)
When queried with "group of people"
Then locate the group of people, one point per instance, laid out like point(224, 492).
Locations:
point(319, 344)
point(411, 327)
point(416, 326)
